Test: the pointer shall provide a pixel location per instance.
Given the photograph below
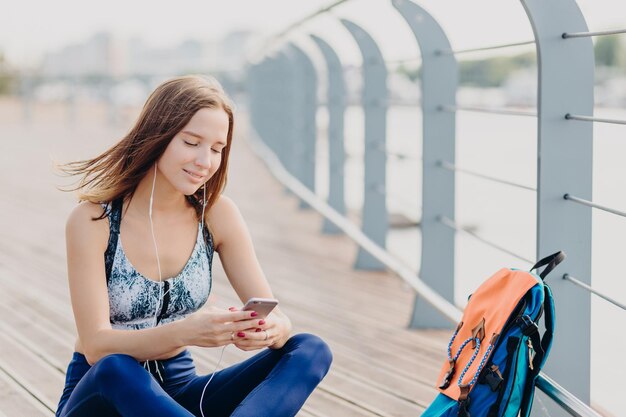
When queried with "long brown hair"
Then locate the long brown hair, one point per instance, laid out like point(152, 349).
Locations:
point(117, 172)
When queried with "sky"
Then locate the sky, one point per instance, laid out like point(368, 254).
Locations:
point(29, 28)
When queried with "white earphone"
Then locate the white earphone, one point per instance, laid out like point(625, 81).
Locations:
point(161, 294)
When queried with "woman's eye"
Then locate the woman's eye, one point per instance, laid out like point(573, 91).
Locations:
point(216, 151)
point(191, 144)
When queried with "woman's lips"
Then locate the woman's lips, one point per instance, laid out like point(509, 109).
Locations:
point(194, 177)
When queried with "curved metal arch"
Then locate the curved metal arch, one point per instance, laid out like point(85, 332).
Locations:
point(564, 164)
point(304, 94)
point(375, 223)
point(336, 99)
point(440, 79)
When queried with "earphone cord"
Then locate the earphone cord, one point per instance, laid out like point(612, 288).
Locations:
point(162, 295)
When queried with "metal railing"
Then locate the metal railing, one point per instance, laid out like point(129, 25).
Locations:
point(569, 103)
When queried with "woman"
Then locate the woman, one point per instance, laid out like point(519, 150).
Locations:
point(137, 293)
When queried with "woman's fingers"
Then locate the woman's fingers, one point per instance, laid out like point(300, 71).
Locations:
point(233, 316)
point(244, 325)
point(255, 339)
point(247, 332)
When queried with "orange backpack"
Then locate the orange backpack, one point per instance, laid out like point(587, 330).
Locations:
point(497, 350)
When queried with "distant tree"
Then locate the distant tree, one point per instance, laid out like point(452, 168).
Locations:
point(412, 74)
point(610, 52)
point(490, 72)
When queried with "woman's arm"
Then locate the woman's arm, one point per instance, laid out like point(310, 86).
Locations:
point(233, 243)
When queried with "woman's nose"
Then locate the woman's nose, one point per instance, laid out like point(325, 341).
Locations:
point(204, 160)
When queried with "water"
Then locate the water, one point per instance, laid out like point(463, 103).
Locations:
point(505, 147)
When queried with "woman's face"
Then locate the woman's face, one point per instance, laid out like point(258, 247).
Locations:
point(195, 153)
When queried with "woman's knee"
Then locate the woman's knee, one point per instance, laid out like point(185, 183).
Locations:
point(313, 350)
point(114, 367)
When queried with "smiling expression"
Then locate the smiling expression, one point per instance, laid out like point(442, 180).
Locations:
point(194, 154)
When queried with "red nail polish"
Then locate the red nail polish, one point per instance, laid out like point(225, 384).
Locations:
point(231, 308)
point(258, 330)
point(261, 322)
point(241, 334)
point(254, 314)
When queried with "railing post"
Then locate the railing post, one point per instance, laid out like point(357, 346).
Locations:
point(305, 110)
point(566, 80)
point(257, 89)
point(439, 86)
point(375, 222)
point(336, 103)
point(273, 104)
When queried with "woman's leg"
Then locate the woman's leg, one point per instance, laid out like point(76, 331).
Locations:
point(272, 383)
point(119, 385)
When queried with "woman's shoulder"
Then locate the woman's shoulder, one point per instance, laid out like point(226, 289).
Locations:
point(222, 217)
point(81, 224)
point(223, 206)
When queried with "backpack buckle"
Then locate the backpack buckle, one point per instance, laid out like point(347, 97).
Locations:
point(527, 326)
point(493, 378)
point(447, 378)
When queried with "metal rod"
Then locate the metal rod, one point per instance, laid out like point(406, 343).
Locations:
point(404, 156)
point(405, 203)
point(452, 167)
point(402, 103)
point(397, 155)
point(486, 110)
point(403, 61)
point(274, 39)
point(307, 18)
point(569, 116)
point(581, 284)
point(449, 310)
point(485, 48)
point(592, 204)
point(458, 228)
point(390, 103)
point(587, 34)
point(564, 398)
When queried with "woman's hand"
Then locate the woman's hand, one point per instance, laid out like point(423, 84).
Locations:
point(212, 327)
point(272, 331)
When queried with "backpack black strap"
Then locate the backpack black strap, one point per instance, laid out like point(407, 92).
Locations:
point(115, 215)
point(546, 339)
point(552, 261)
point(542, 348)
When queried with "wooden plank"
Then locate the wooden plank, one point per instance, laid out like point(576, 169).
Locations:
point(17, 401)
point(28, 372)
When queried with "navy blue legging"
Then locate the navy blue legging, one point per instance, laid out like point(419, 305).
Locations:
point(271, 383)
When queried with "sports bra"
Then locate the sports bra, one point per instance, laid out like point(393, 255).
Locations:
point(135, 299)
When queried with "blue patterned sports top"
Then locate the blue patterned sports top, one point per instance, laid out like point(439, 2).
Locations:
point(135, 299)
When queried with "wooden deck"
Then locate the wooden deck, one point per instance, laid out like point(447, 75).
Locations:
point(380, 368)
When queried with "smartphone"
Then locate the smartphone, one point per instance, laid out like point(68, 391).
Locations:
point(263, 306)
